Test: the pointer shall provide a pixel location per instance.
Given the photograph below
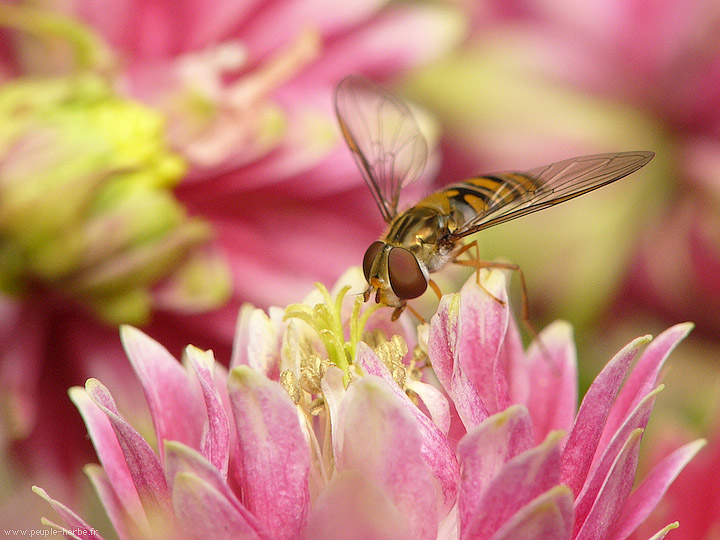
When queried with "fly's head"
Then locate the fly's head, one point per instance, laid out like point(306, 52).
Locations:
point(393, 273)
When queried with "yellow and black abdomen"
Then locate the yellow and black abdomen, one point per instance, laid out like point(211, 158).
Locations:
point(479, 194)
point(434, 219)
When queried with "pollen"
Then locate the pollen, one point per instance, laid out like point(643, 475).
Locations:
point(312, 369)
point(291, 385)
point(392, 353)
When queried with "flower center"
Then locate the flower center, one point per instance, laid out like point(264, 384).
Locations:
point(213, 121)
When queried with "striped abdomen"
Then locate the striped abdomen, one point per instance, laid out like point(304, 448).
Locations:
point(479, 194)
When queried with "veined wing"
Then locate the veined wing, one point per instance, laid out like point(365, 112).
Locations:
point(384, 138)
point(519, 194)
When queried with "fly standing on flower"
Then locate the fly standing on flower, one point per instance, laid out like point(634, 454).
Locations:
point(390, 150)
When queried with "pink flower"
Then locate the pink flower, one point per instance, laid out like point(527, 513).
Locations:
point(315, 434)
point(540, 81)
point(240, 92)
point(698, 483)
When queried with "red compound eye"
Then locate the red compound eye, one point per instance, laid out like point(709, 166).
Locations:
point(370, 255)
point(406, 277)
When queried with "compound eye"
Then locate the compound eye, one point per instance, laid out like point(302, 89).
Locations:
point(370, 255)
point(406, 277)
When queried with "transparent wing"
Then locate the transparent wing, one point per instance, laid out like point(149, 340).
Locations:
point(550, 185)
point(384, 138)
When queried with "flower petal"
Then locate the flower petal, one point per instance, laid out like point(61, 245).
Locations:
point(646, 496)
point(600, 469)
point(552, 370)
point(399, 38)
point(485, 450)
point(274, 456)
point(522, 479)
point(353, 504)
point(215, 443)
point(644, 376)
point(464, 345)
point(257, 340)
point(483, 326)
point(612, 496)
point(127, 528)
point(584, 438)
point(382, 442)
point(435, 402)
point(547, 517)
point(276, 22)
point(176, 407)
point(183, 459)
point(72, 520)
point(110, 455)
point(435, 448)
point(202, 512)
point(142, 463)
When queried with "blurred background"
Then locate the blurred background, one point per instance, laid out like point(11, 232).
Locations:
point(163, 163)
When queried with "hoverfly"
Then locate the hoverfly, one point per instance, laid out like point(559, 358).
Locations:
point(390, 150)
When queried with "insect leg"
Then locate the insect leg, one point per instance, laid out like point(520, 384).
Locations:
point(398, 311)
point(478, 264)
point(435, 288)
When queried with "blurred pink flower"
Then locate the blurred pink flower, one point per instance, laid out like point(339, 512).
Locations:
point(699, 483)
point(313, 431)
point(540, 81)
point(664, 60)
point(245, 88)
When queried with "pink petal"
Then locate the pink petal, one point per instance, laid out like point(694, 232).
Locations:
point(644, 375)
point(273, 453)
point(523, 478)
point(434, 446)
point(126, 527)
point(142, 463)
point(600, 469)
point(552, 370)
point(594, 410)
point(464, 344)
point(483, 324)
point(202, 512)
point(485, 450)
point(158, 30)
point(71, 519)
point(435, 402)
point(646, 496)
point(612, 496)
point(280, 21)
point(177, 409)
point(381, 441)
point(353, 504)
point(183, 459)
point(514, 361)
point(257, 340)
point(215, 443)
point(396, 39)
point(547, 517)
point(441, 350)
point(110, 455)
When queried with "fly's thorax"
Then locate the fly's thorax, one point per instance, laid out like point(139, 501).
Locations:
point(425, 232)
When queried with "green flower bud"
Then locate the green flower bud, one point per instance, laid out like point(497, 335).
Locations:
point(86, 206)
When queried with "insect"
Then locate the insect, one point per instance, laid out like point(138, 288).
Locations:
point(390, 150)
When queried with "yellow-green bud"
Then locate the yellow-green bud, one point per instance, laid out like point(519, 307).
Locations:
point(86, 206)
